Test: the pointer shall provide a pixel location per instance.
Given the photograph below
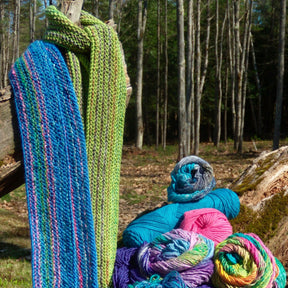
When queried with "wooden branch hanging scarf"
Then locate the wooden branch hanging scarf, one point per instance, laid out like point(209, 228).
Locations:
point(95, 63)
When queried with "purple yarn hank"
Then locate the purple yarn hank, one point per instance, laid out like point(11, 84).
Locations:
point(126, 269)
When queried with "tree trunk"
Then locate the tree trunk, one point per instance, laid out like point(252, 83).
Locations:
point(245, 60)
point(198, 78)
point(181, 81)
point(142, 16)
point(258, 83)
point(111, 9)
point(280, 76)
point(238, 74)
point(165, 79)
point(201, 75)
point(96, 8)
point(158, 72)
point(231, 54)
point(15, 53)
point(32, 19)
point(190, 74)
point(2, 45)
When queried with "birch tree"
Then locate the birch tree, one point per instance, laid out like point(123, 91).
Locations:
point(181, 81)
point(32, 10)
point(16, 26)
point(190, 96)
point(142, 17)
point(200, 71)
point(241, 54)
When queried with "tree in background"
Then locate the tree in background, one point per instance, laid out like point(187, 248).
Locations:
point(142, 17)
point(280, 76)
point(200, 71)
point(181, 81)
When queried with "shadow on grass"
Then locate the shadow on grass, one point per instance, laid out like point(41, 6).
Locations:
point(12, 251)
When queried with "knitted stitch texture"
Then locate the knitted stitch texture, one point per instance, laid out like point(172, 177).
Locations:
point(57, 183)
point(97, 48)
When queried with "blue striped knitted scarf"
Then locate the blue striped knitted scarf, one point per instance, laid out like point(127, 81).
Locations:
point(57, 185)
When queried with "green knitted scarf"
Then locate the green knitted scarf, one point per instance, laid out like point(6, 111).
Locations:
point(95, 63)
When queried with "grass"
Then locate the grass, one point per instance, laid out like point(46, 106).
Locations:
point(15, 265)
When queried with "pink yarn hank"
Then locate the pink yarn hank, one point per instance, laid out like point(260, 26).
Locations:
point(208, 222)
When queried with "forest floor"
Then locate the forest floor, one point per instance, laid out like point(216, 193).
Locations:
point(145, 176)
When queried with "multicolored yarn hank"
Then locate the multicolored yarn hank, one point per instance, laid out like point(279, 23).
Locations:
point(192, 179)
point(166, 218)
point(171, 280)
point(95, 48)
point(57, 183)
point(187, 252)
point(244, 260)
point(208, 222)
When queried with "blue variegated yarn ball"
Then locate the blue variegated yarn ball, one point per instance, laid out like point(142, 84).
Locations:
point(192, 179)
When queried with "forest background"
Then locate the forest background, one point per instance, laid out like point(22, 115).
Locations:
point(200, 70)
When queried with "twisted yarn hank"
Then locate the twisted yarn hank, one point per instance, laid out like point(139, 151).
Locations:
point(126, 269)
point(208, 222)
point(187, 252)
point(96, 49)
point(166, 218)
point(244, 260)
point(192, 179)
point(55, 160)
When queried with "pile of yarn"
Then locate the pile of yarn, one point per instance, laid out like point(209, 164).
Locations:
point(195, 240)
point(192, 179)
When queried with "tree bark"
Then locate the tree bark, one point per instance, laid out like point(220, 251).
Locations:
point(16, 19)
point(181, 81)
point(190, 76)
point(258, 83)
point(2, 45)
point(201, 73)
point(280, 76)
point(165, 78)
point(142, 16)
point(158, 72)
point(32, 19)
point(111, 9)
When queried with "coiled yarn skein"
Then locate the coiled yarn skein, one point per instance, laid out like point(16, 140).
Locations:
point(166, 218)
point(187, 252)
point(242, 260)
point(192, 179)
point(208, 222)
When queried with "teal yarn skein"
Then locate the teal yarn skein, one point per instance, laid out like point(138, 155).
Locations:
point(166, 218)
